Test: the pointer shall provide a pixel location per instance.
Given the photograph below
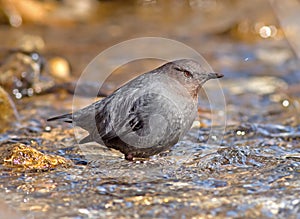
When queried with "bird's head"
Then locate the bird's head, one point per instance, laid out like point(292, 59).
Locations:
point(189, 73)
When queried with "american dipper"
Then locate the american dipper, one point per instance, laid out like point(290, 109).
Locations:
point(147, 115)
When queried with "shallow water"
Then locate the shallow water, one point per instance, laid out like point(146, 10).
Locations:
point(247, 168)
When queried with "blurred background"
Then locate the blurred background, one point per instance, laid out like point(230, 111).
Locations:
point(223, 31)
point(238, 38)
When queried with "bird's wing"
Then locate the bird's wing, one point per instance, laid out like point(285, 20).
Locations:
point(101, 111)
point(145, 116)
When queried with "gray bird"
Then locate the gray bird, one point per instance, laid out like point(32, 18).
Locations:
point(147, 115)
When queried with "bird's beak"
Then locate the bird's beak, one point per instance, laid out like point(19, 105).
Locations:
point(214, 75)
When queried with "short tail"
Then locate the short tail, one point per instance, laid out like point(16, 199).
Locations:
point(65, 118)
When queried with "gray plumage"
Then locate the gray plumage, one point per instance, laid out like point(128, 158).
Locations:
point(147, 115)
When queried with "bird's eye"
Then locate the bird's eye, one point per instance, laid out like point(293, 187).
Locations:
point(187, 74)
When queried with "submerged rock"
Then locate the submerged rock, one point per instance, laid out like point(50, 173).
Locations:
point(24, 157)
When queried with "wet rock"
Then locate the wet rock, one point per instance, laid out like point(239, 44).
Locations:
point(8, 111)
point(23, 74)
point(20, 73)
point(24, 157)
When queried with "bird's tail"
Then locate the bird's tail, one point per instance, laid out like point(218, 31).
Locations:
point(65, 118)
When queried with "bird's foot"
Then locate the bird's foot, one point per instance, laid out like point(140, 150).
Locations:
point(129, 157)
